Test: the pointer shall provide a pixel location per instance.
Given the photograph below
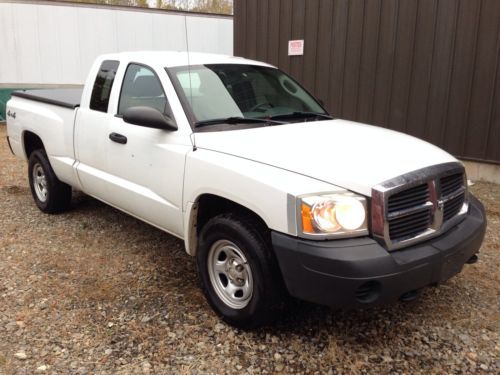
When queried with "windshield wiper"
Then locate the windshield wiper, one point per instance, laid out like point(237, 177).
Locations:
point(298, 114)
point(236, 120)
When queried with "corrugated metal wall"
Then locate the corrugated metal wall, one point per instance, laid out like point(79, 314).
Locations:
point(56, 43)
point(429, 68)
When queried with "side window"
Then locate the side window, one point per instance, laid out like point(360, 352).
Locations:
point(141, 87)
point(102, 86)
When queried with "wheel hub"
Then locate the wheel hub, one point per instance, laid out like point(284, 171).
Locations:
point(40, 182)
point(235, 272)
point(230, 274)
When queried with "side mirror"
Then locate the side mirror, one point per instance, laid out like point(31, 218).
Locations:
point(148, 117)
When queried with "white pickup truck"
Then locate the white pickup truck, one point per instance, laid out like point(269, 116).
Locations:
point(272, 195)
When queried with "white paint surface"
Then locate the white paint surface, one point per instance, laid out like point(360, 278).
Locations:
point(57, 44)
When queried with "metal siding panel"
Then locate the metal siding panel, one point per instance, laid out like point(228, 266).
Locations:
point(56, 44)
point(385, 62)
point(403, 64)
point(427, 67)
point(225, 36)
point(261, 30)
point(251, 36)
point(340, 16)
point(272, 47)
point(162, 34)
point(202, 36)
point(354, 42)
point(310, 43)
point(483, 89)
point(206, 35)
point(142, 23)
point(69, 45)
point(461, 79)
point(325, 37)
point(27, 51)
point(368, 65)
point(125, 33)
point(285, 31)
point(240, 29)
point(8, 66)
point(49, 46)
point(89, 37)
point(298, 21)
point(493, 149)
point(441, 70)
point(421, 73)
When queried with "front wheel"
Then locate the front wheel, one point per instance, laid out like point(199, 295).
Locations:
point(238, 271)
point(50, 194)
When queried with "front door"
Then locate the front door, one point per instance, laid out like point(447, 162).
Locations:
point(145, 165)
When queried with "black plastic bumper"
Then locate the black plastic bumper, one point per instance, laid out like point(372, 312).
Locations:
point(359, 272)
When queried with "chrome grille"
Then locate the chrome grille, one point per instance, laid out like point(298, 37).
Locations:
point(409, 212)
point(452, 207)
point(451, 184)
point(418, 205)
point(408, 198)
point(409, 226)
point(453, 193)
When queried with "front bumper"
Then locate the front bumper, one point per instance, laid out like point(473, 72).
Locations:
point(358, 272)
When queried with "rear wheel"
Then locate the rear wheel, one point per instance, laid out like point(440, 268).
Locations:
point(50, 194)
point(238, 272)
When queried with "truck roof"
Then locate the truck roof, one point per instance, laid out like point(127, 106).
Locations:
point(178, 58)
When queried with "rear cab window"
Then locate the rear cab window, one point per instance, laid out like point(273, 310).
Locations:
point(103, 84)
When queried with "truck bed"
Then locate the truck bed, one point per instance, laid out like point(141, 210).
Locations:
point(68, 98)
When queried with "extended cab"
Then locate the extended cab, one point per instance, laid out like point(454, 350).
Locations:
point(272, 195)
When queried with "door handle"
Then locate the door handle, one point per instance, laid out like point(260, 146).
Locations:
point(118, 138)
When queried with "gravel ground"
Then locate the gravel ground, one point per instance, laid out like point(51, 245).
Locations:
point(96, 291)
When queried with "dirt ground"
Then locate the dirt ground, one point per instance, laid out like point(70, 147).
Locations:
point(96, 291)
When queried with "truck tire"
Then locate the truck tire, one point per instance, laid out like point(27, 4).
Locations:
point(239, 274)
point(50, 195)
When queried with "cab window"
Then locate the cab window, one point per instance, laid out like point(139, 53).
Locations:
point(141, 87)
point(103, 84)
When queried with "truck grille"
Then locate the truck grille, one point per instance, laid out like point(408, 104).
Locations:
point(452, 207)
point(453, 192)
point(450, 184)
point(408, 198)
point(419, 205)
point(409, 213)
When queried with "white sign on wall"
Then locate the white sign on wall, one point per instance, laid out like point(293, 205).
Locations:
point(296, 47)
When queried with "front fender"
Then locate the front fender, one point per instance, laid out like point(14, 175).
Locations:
point(261, 188)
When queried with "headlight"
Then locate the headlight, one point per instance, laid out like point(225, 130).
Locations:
point(338, 215)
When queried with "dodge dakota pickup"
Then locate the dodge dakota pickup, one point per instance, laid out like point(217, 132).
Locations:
point(273, 196)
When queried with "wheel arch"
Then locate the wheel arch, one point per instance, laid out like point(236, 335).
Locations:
point(31, 142)
point(205, 207)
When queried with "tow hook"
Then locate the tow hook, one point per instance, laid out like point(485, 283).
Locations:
point(473, 259)
point(409, 296)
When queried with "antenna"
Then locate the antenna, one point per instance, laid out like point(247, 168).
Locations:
point(193, 139)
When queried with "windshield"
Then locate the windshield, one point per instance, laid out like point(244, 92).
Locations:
point(221, 91)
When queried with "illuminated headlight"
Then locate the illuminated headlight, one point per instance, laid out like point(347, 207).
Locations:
point(335, 215)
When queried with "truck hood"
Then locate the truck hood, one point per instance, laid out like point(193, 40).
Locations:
point(343, 153)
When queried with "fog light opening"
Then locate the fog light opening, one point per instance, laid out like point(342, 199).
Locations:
point(368, 292)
